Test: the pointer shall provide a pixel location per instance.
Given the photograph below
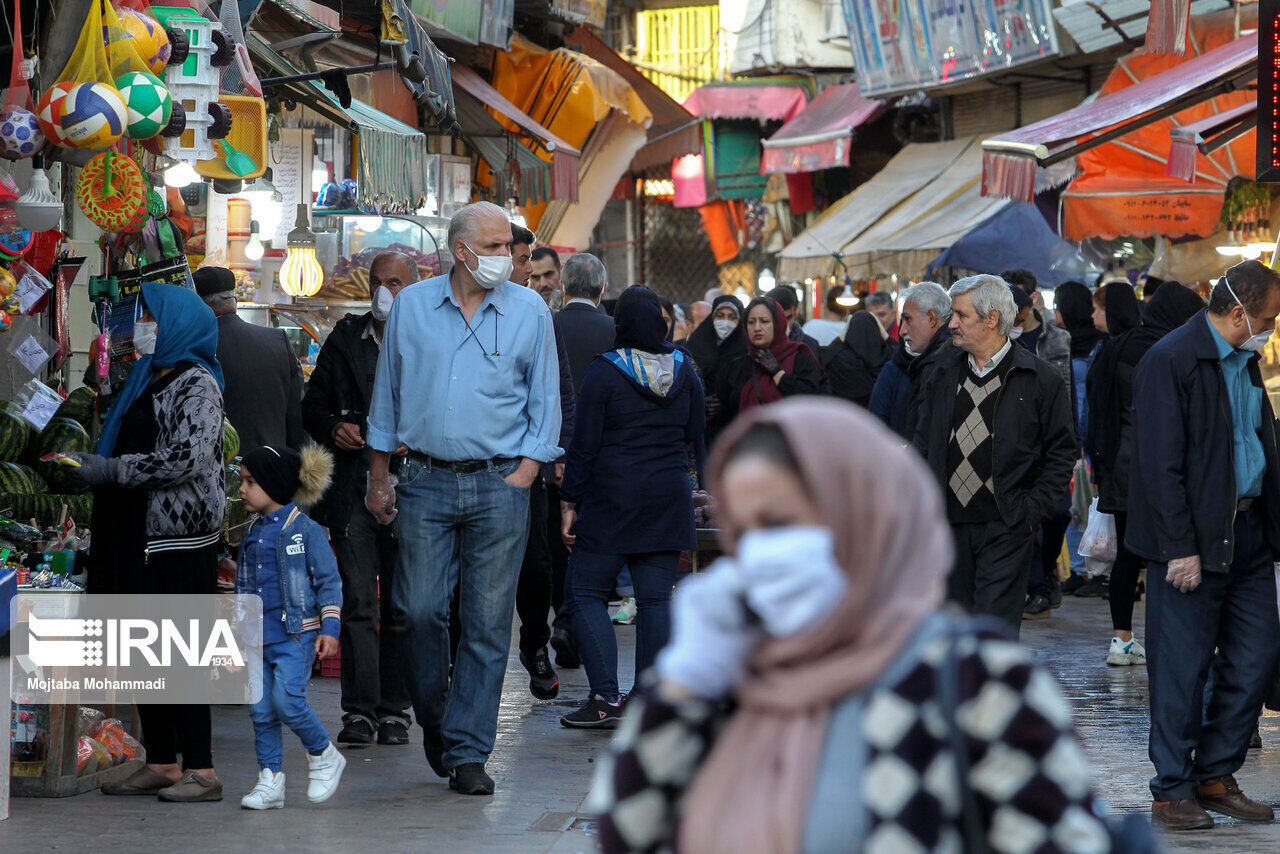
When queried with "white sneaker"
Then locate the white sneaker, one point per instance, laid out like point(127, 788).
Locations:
point(268, 794)
point(324, 774)
point(626, 613)
point(1125, 654)
point(1137, 655)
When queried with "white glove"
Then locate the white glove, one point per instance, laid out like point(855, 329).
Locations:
point(792, 578)
point(380, 497)
point(1184, 573)
point(711, 639)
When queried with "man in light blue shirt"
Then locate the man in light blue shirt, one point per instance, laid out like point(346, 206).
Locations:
point(468, 388)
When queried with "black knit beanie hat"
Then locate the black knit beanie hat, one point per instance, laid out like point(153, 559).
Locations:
point(277, 471)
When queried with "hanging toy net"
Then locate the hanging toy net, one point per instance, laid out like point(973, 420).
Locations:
point(20, 134)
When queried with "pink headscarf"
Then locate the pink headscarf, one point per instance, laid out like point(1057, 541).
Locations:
point(752, 794)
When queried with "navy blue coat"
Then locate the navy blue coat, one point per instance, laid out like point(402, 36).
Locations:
point(627, 468)
point(1182, 481)
point(889, 394)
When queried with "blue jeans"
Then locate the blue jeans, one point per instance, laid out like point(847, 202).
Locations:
point(1074, 536)
point(286, 669)
point(466, 531)
point(626, 587)
point(588, 587)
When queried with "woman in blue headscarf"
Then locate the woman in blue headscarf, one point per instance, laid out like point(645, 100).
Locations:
point(158, 505)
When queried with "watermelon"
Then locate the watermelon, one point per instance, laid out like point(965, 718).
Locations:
point(14, 435)
point(230, 442)
point(80, 406)
point(18, 479)
point(61, 435)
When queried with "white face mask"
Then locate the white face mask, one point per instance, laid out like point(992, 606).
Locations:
point(906, 345)
point(724, 328)
point(793, 580)
point(491, 270)
point(1255, 342)
point(382, 299)
point(1015, 333)
point(144, 337)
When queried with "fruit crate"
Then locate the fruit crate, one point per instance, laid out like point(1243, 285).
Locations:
point(332, 667)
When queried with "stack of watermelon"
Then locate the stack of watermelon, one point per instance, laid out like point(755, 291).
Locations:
point(25, 480)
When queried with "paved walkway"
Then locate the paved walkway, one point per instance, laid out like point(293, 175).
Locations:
point(389, 800)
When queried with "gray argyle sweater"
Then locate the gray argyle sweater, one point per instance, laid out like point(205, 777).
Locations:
point(184, 475)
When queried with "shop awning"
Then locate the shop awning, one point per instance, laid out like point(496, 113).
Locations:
point(819, 136)
point(564, 157)
point(766, 99)
point(1207, 136)
point(1016, 236)
point(814, 251)
point(1011, 159)
point(674, 132)
point(1102, 24)
point(495, 144)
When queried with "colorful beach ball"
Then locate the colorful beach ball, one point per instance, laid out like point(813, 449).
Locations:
point(147, 101)
point(149, 39)
point(20, 134)
point(49, 113)
point(93, 116)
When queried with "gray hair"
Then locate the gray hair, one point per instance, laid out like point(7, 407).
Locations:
point(466, 221)
point(221, 301)
point(396, 255)
point(989, 293)
point(583, 276)
point(929, 296)
point(878, 299)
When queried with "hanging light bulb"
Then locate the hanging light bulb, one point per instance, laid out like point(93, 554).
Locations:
point(368, 224)
point(254, 249)
point(766, 281)
point(180, 175)
point(301, 275)
point(38, 209)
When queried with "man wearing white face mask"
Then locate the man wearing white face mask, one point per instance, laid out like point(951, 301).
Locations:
point(468, 382)
point(1204, 510)
point(375, 700)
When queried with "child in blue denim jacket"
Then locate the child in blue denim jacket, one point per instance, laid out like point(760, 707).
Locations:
point(286, 559)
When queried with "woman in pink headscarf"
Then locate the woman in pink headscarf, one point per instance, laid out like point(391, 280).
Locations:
point(854, 692)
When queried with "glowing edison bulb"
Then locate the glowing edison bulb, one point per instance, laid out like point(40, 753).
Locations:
point(254, 249)
point(301, 275)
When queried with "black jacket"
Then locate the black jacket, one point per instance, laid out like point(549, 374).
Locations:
point(1035, 445)
point(805, 377)
point(937, 352)
point(853, 361)
point(1182, 485)
point(587, 332)
point(263, 394)
point(339, 390)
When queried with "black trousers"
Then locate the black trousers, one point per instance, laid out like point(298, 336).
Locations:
point(1124, 579)
point(534, 591)
point(1235, 613)
point(559, 558)
point(372, 637)
point(992, 566)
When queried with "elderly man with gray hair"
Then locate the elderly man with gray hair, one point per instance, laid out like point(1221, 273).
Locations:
point(895, 400)
point(996, 428)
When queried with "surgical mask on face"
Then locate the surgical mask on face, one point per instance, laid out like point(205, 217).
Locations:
point(382, 299)
point(1255, 342)
point(911, 351)
point(1015, 333)
point(792, 578)
point(144, 337)
point(724, 328)
point(491, 270)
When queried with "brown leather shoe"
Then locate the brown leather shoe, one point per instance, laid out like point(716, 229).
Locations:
point(1222, 795)
point(1182, 814)
point(144, 781)
point(191, 788)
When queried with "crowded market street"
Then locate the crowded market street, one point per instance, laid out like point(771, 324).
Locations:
point(543, 769)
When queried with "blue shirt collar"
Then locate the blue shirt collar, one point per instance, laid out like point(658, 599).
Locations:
point(1225, 350)
point(280, 516)
point(493, 297)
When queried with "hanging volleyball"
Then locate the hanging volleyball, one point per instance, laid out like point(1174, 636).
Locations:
point(93, 116)
point(20, 135)
point(49, 112)
point(147, 102)
point(149, 39)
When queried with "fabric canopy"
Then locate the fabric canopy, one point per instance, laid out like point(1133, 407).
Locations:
point(674, 132)
point(814, 251)
point(1011, 158)
point(1015, 236)
point(1206, 136)
point(766, 99)
point(818, 137)
point(563, 157)
point(1122, 188)
point(491, 140)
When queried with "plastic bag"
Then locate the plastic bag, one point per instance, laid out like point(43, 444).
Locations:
point(1099, 540)
point(120, 745)
point(1081, 494)
point(91, 756)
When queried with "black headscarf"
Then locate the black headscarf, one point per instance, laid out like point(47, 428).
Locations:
point(707, 350)
point(1124, 310)
point(1074, 304)
point(865, 337)
point(640, 325)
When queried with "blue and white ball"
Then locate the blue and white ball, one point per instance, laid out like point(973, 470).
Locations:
point(93, 116)
point(20, 135)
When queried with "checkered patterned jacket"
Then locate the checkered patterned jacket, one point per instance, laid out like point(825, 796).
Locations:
point(1027, 770)
point(184, 474)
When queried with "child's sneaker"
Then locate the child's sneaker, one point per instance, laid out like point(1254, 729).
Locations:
point(626, 613)
point(268, 794)
point(324, 774)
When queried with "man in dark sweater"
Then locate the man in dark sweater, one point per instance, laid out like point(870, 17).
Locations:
point(995, 426)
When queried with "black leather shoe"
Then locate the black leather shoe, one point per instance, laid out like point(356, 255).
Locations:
point(433, 746)
point(566, 649)
point(1037, 608)
point(470, 779)
point(543, 682)
point(357, 731)
point(1094, 588)
point(392, 731)
point(1073, 583)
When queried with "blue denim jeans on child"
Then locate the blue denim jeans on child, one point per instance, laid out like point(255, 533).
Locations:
point(469, 531)
point(588, 587)
point(286, 669)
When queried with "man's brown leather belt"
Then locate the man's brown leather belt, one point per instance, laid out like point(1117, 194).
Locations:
point(459, 466)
